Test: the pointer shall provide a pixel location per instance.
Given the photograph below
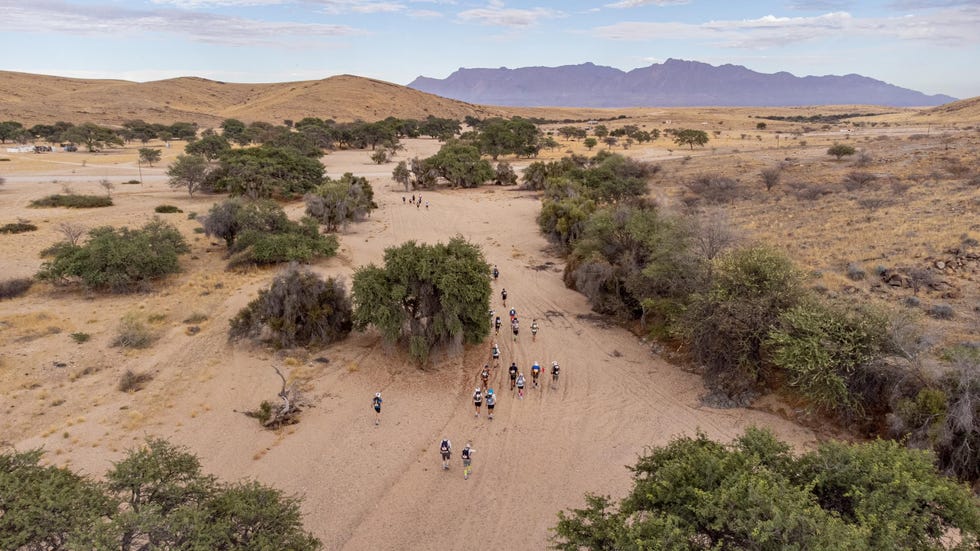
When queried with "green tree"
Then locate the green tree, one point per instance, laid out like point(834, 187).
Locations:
point(235, 131)
point(336, 203)
point(270, 172)
point(600, 131)
point(9, 130)
point(45, 507)
point(460, 164)
point(92, 136)
point(298, 309)
point(402, 174)
point(754, 494)
point(840, 150)
point(188, 172)
point(502, 137)
point(149, 155)
point(590, 143)
point(427, 295)
point(118, 260)
point(211, 147)
point(727, 324)
point(691, 137)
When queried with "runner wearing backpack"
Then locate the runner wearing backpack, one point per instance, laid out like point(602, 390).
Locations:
point(477, 401)
point(534, 330)
point(467, 456)
point(376, 402)
point(520, 386)
point(491, 401)
point(445, 449)
point(513, 374)
point(535, 372)
point(485, 376)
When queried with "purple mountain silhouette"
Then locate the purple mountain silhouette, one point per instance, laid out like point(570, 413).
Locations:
point(674, 83)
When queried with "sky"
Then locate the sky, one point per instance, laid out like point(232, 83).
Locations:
point(932, 46)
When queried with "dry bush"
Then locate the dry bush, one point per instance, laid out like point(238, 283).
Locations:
point(134, 333)
point(813, 192)
point(899, 187)
point(857, 180)
point(855, 273)
point(770, 177)
point(874, 203)
point(713, 189)
point(941, 311)
point(863, 159)
point(13, 288)
point(132, 381)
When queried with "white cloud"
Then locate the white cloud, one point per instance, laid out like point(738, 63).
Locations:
point(499, 16)
point(424, 13)
point(102, 20)
point(358, 6)
point(639, 3)
point(956, 26)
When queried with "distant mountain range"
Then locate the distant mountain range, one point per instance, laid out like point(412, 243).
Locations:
point(674, 83)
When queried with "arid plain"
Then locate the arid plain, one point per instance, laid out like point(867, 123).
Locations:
point(367, 486)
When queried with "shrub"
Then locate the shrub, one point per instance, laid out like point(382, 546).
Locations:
point(941, 311)
point(131, 182)
point(858, 180)
point(811, 193)
point(118, 260)
point(269, 172)
point(840, 151)
point(196, 317)
point(505, 175)
point(770, 177)
point(133, 333)
point(166, 209)
point(912, 302)
point(855, 273)
point(726, 326)
point(80, 337)
point(73, 201)
point(131, 381)
point(714, 189)
point(18, 227)
point(822, 346)
point(299, 308)
point(13, 288)
point(336, 203)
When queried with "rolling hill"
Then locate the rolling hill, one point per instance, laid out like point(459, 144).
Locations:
point(34, 99)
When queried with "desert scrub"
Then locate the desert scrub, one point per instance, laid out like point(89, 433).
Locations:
point(196, 317)
point(134, 333)
point(941, 311)
point(72, 201)
point(80, 337)
point(18, 227)
point(13, 288)
point(166, 209)
point(133, 381)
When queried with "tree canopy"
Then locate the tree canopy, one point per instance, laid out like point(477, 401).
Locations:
point(754, 494)
point(691, 137)
point(270, 172)
point(426, 295)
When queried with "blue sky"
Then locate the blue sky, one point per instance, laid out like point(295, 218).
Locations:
point(928, 45)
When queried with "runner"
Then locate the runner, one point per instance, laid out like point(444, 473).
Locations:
point(485, 376)
point(513, 314)
point(513, 374)
point(495, 352)
point(535, 372)
point(520, 386)
point(477, 401)
point(376, 402)
point(445, 448)
point(514, 326)
point(491, 401)
point(554, 373)
point(496, 325)
point(403, 199)
point(503, 295)
point(427, 205)
point(413, 199)
point(534, 330)
point(467, 455)
point(496, 272)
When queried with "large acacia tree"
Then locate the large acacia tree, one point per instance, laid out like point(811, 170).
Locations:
point(754, 494)
point(426, 295)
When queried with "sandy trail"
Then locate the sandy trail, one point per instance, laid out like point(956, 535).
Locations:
point(382, 487)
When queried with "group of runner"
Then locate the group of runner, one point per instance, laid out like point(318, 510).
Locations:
point(484, 392)
point(417, 202)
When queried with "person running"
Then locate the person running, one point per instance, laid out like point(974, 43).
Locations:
point(477, 401)
point(534, 330)
point(513, 374)
point(485, 376)
point(413, 199)
point(555, 369)
point(496, 272)
point(503, 296)
point(403, 199)
point(376, 402)
point(535, 372)
point(445, 449)
point(513, 314)
point(520, 386)
point(467, 456)
point(495, 352)
point(426, 205)
point(515, 327)
point(496, 325)
point(491, 401)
